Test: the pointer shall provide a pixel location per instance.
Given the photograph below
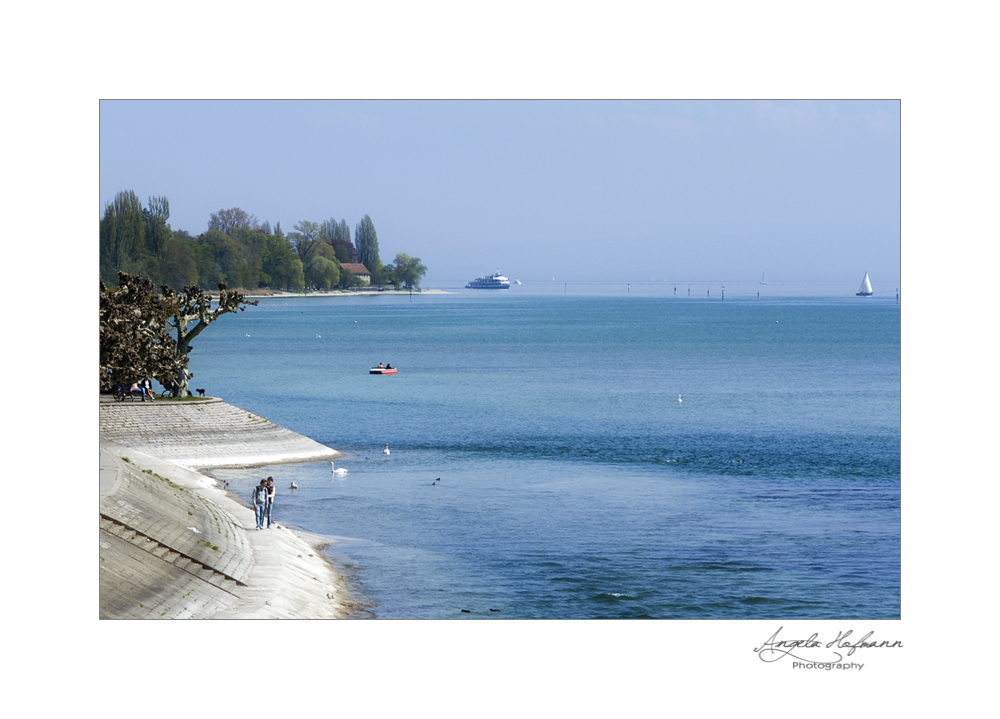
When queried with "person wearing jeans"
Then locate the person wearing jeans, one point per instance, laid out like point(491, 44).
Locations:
point(270, 499)
point(260, 502)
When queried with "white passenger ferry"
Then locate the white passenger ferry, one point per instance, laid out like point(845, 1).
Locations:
point(493, 282)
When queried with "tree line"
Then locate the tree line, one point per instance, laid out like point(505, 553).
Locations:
point(237, 250)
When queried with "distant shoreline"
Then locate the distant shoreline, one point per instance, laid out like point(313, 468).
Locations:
point(348, 293)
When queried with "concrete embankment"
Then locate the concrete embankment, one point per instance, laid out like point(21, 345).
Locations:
point(173, 545)
point(205, 433)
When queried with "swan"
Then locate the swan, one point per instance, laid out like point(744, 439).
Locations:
point(386, 450)
point(294, 486)
point(679, 398)
point(337, 471)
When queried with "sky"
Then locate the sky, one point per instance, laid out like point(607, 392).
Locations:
point(807, 192)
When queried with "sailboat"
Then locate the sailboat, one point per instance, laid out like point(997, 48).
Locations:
point(866, 288)
point(763, 280)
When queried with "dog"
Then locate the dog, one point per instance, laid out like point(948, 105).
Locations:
point(201, 392)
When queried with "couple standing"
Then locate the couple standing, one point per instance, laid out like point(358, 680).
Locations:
point(263, 500)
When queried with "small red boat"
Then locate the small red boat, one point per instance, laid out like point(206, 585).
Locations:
point(382, 370)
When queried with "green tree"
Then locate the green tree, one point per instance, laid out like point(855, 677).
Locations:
point(122, 236)
point(344, 254)
point(194, 305)
point(154, 219)
point(323, 273)
point(252, 243)
point(307, 242)
point(135, 341)
point(408, 271)
point(366, 245)
point(280, 266)
point(349, 280)
point(177, 265)
point(221, 259)
point(338, 235)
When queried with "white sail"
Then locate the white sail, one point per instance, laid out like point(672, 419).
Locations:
point(866, 286)
point(763, 279)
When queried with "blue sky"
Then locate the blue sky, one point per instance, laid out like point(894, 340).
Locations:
point(696, 191)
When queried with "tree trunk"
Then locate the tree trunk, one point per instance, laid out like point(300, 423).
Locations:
point(181, 386)
point(184, 349)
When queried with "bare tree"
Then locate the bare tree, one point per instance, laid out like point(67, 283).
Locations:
point(135, 339)
point(194, 305)
point(229, 220)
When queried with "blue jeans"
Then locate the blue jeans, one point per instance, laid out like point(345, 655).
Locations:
point(259, 511)
point(267, 513)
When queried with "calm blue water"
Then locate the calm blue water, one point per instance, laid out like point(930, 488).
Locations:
point(573, 484)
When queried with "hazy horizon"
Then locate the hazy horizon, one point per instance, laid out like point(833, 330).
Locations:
point(708, 192)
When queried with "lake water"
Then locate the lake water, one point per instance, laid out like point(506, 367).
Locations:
point(573, 483)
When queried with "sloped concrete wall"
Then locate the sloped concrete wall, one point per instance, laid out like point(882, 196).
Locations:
point(205, 433)
point(172, 545)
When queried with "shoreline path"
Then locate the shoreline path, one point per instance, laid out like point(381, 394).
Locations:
point(174, 545)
